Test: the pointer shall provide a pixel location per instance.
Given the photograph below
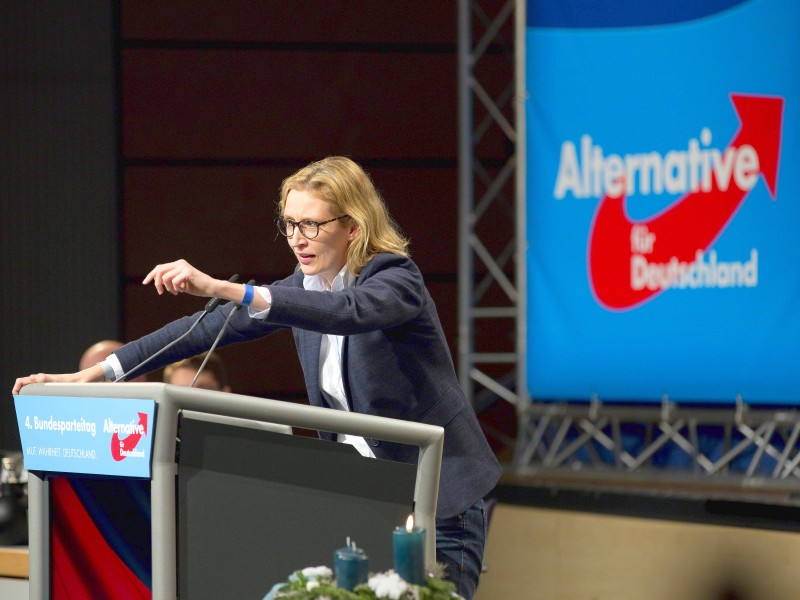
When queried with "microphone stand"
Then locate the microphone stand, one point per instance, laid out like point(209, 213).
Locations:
point(219, 337)
point(211, 305)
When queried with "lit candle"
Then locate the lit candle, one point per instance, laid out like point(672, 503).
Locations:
point(350, 565)
point(409, 552)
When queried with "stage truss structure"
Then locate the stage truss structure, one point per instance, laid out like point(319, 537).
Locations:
point(732, 450)
point(491, 276)
point(739, 451)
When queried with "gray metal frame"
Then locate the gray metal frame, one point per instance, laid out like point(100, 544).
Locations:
point(170, 401)
point(757, 455)
point(481, 372)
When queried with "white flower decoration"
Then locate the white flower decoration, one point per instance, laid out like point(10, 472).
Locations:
point(322, 572)
point(388, 585)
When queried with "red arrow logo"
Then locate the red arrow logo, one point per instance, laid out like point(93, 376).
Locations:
point(120, 448)
point(693, 222)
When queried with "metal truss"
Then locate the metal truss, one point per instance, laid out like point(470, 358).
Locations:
point(491, 228)
point(739, 448)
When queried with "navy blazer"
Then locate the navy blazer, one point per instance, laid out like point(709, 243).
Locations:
point(395, 362)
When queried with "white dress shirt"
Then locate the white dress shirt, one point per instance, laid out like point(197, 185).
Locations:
point(331, 379)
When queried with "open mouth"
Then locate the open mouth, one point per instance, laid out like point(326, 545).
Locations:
point(305, 258)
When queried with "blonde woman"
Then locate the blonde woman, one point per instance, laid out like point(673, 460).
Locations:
point(367, 334)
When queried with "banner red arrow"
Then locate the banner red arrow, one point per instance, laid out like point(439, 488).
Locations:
point(692, 223)
point(128, 443)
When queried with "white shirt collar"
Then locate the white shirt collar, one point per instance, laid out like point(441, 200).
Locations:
point(343, 279)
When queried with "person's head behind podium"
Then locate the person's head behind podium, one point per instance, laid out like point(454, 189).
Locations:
point(212, 377)
point(100, 351)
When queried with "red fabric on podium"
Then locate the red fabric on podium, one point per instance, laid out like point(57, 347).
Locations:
point(83, 565)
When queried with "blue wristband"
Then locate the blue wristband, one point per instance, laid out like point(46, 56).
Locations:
point(249, 292)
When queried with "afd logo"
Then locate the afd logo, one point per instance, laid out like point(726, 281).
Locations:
point(630, 262)
point(122, 448)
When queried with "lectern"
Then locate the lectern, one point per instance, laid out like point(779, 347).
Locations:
point(235, 502)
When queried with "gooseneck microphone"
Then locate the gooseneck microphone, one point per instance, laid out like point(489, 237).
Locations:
point(210, 306)
point(219, 337)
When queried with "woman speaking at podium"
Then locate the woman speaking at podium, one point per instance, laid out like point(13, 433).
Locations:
point(367, 334)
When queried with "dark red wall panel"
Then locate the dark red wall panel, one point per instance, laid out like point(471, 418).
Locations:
point(257, 104)
point(297, 21)
point(220, 219)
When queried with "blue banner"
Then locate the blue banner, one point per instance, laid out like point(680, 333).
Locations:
point(98, 436)
point(662, 200)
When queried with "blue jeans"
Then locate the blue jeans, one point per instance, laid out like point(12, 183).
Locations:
point(459, 547)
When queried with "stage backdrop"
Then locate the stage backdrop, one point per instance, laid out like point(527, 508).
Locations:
point(663, 209)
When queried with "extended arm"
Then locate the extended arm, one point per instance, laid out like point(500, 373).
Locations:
point(179, 277)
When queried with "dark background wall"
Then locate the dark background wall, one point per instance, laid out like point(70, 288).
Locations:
point(59, 216)
point(216, 103)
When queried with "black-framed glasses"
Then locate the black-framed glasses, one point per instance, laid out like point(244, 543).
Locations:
point(309, 229)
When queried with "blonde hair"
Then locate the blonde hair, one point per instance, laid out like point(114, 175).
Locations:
point(349, 190)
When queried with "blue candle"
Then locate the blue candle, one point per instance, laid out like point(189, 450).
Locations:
point(408, 544)
point(351, 566)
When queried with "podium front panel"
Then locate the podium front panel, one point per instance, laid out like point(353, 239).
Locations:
point(253, 506)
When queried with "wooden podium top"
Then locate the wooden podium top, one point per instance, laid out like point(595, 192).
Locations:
point(14, 561)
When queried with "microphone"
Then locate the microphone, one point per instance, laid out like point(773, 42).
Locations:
point(219, 337)
point(210, 306)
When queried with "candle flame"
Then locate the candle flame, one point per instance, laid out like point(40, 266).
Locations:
point(410, 523)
